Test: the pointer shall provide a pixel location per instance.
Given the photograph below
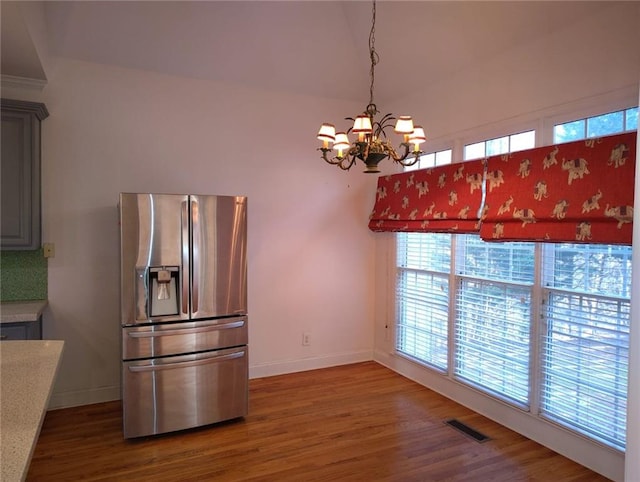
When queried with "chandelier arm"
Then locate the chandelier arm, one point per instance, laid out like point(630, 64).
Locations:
point(344, 166)
point(335, 161)
point(324, 154)
point(407, 163)
point(343, 163)
point(397, 157)
point(348, 160)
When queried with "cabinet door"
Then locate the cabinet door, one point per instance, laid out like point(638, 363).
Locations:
point(20, 220)
point(25, 330)
point(13, 331)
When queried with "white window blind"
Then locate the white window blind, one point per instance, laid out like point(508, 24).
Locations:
point(422, 296)
point(585, 347)
point(493, 318)
point(512, 262)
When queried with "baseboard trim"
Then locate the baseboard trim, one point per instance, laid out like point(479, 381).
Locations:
point(312, 363)
point(77, 398)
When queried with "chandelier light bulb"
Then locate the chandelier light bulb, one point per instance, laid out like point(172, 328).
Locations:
point(342, 143)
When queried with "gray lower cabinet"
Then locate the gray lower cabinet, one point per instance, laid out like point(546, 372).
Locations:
point(20, 217)
point(23, 330)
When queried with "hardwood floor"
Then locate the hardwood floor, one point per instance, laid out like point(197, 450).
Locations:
point(358, 422)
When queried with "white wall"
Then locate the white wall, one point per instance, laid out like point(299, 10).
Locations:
point(590, 65)
point(310, 254)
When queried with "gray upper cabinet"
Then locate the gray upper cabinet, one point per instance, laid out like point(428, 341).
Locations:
point(20, 174)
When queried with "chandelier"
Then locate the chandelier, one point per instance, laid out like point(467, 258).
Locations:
point(372, 145)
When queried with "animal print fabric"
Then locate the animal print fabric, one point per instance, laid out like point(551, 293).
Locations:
point(578, 191)
point(440, 199)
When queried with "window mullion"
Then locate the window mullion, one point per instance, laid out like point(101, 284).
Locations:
point(453, 290)
point(538, 328)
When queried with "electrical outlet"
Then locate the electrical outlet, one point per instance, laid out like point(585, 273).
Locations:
point(49, 250)
point(306, 339)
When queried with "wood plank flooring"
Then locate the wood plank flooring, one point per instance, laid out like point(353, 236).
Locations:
point(358, 422)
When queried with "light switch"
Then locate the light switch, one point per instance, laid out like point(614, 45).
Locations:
point(49, 250)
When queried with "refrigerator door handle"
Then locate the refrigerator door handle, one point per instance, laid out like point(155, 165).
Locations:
point(185, 364)
point(196, 247)
point(185, 257)
point(187, 331)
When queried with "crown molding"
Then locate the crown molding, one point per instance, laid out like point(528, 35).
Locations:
point(9, 81)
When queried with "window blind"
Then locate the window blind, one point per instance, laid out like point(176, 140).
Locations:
point(442, 199)
point(585, 364)
point(492, 337)
point(422, 297)
point(585, 347)
point(588, 268)
point(512, 262)
point(580, 191)
point(431, 253)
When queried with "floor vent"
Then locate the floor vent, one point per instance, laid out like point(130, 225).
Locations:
point(465, 429)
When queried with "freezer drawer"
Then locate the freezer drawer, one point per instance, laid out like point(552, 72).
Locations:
point(188, 337)
point(180, 392)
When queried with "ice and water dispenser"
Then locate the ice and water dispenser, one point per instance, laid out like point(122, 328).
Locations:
point(163, 285)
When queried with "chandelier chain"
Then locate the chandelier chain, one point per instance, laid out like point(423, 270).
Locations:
point(373, 55)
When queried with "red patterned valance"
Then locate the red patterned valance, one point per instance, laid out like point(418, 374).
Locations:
point(440, 199)
point(575, 192)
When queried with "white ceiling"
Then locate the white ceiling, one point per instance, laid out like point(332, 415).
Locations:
point(310, 47)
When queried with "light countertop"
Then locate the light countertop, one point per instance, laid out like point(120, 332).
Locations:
point(28, 371)
point(15, 311)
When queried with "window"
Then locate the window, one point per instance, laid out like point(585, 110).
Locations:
point(493, 301)
point(500, 145)
point(586, 297)
point(600, 125)
point(439, 158)
point(470, 310)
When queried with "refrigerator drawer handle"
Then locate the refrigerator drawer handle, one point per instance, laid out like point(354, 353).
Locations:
point(169, 366)
point(187, 331)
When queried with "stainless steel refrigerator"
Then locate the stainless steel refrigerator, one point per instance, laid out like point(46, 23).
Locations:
point(183, 279)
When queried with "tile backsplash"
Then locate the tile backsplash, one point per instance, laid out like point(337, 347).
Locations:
point(23, 275)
